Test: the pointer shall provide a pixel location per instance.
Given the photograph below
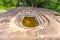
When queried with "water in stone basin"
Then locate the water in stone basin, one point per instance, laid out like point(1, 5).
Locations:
point(30, 22)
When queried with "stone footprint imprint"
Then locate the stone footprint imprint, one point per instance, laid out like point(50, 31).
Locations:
point(26, 23)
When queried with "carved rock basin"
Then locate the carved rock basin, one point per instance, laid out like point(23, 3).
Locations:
point(25, 23)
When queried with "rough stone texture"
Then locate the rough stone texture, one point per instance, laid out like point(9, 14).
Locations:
point(11, 30)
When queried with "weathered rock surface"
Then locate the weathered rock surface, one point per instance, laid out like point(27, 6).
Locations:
point(11, 27)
